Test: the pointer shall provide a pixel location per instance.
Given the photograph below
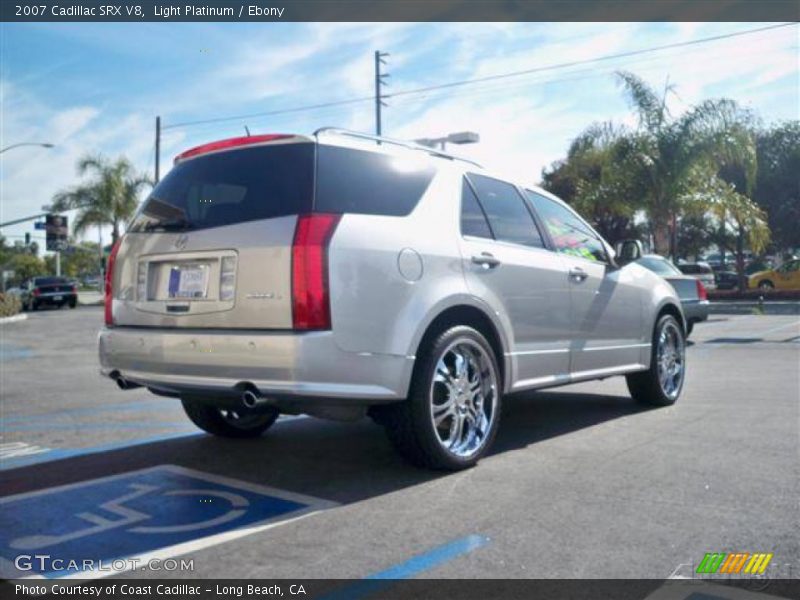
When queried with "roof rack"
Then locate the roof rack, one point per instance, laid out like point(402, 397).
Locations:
point(394, 142)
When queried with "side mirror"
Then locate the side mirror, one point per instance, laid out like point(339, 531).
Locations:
point(628, 251)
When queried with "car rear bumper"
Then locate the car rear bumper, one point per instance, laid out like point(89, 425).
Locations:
point(225, 363)
point(695, 310)
point(55, 298)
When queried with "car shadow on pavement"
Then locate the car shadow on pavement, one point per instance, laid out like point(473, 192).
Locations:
point(532, 417)
point(342, 462)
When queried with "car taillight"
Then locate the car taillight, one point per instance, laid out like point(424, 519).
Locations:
point(74, 289)
point(701, 290)
point(310, 294)
point(110, 283)
point(36, 291)
point(227, 278)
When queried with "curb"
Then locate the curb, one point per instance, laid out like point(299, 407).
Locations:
point(14, 319)
point(745, 307)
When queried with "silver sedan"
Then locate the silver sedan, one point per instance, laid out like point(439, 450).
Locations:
point(690, 290)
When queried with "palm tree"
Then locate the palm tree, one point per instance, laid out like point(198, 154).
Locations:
point(110, 197)
point(674, 154)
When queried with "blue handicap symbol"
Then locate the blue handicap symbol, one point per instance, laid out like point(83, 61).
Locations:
point(132, 514)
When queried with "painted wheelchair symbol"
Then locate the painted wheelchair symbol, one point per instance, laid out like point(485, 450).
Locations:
point(130, 516)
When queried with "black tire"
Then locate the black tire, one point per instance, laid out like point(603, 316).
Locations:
point(766, 285)
point(645, 386)
point(33, 306)
point(213, 420)
point(689, 328)
point(73, 303)
point(409, 424)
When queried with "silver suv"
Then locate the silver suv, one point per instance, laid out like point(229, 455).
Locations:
point(339, 275)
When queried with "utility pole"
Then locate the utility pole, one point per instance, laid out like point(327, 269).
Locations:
point(379, 81)
point(158, 147)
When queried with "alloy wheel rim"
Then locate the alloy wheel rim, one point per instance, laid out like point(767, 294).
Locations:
point(463, 397)
point(670, 358)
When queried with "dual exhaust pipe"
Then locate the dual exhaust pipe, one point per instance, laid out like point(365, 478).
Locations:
point(251, 398)
point(123, 383)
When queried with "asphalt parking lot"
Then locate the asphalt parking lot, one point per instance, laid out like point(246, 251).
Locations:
point(581, 483)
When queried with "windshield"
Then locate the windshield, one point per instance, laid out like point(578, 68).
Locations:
point(224, 188)
point(658, 265)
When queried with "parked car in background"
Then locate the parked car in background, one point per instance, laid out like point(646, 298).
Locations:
point(726, 280)
point(342, 275)
point(93, 282)
point(690, 290)
point(701, 271)
point(48, 291)
point(785, 277)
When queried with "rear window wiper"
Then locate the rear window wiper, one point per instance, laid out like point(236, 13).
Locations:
point(173, 225)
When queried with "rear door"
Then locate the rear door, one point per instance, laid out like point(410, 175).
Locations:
point(506, 264)
point(211, 247)
point(606, 303)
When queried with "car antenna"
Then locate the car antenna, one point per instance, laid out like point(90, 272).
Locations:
point(247, 130)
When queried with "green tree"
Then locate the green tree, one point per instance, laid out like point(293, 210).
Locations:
point(777, 189)
point(595, 179)
point(109, 197)
point(673, 154)
point(26, 266)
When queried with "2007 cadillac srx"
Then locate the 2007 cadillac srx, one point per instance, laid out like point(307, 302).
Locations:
point(340, 275)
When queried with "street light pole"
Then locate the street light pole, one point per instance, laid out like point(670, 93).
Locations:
point(40, 144)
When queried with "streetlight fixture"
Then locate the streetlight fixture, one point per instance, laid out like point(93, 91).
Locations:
point(40, 144)
point(461, 137)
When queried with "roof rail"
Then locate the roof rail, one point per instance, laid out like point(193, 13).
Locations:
point(394, 142)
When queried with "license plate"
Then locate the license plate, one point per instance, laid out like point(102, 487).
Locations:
point(58, 298)
point(188, 282)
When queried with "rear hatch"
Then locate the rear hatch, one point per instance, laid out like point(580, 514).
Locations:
point(212, 245)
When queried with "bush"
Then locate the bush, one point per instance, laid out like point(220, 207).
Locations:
point(9, 305)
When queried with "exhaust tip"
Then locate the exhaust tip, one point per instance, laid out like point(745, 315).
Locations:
point(250, 399)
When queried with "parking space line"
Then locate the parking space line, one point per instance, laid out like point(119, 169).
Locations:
point(62, 453)
point(409, 568)
point(128, 406)
point(52, 454)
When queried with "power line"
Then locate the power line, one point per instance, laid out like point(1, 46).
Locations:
point(464, 82)
point(584, 61)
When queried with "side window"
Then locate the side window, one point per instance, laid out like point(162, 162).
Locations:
point(791, 266)
point(569, 233)
point(509, 218)
point(473, 221)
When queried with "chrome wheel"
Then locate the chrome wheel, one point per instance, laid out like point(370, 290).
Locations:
point(244, 419)
point(463, 397)
point(670, 359)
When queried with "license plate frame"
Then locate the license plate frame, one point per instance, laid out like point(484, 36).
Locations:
point(188, 282)
point(58, 298)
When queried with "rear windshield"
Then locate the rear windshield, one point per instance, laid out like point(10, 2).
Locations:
point(659, 266)
point(264, 182)
point(241, 185)
point(50, 281)
point(694, 269)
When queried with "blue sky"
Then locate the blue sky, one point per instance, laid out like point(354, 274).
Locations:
point(96, 88)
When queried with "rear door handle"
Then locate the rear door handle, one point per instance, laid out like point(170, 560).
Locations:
point(577, 274)
point(486, 260)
